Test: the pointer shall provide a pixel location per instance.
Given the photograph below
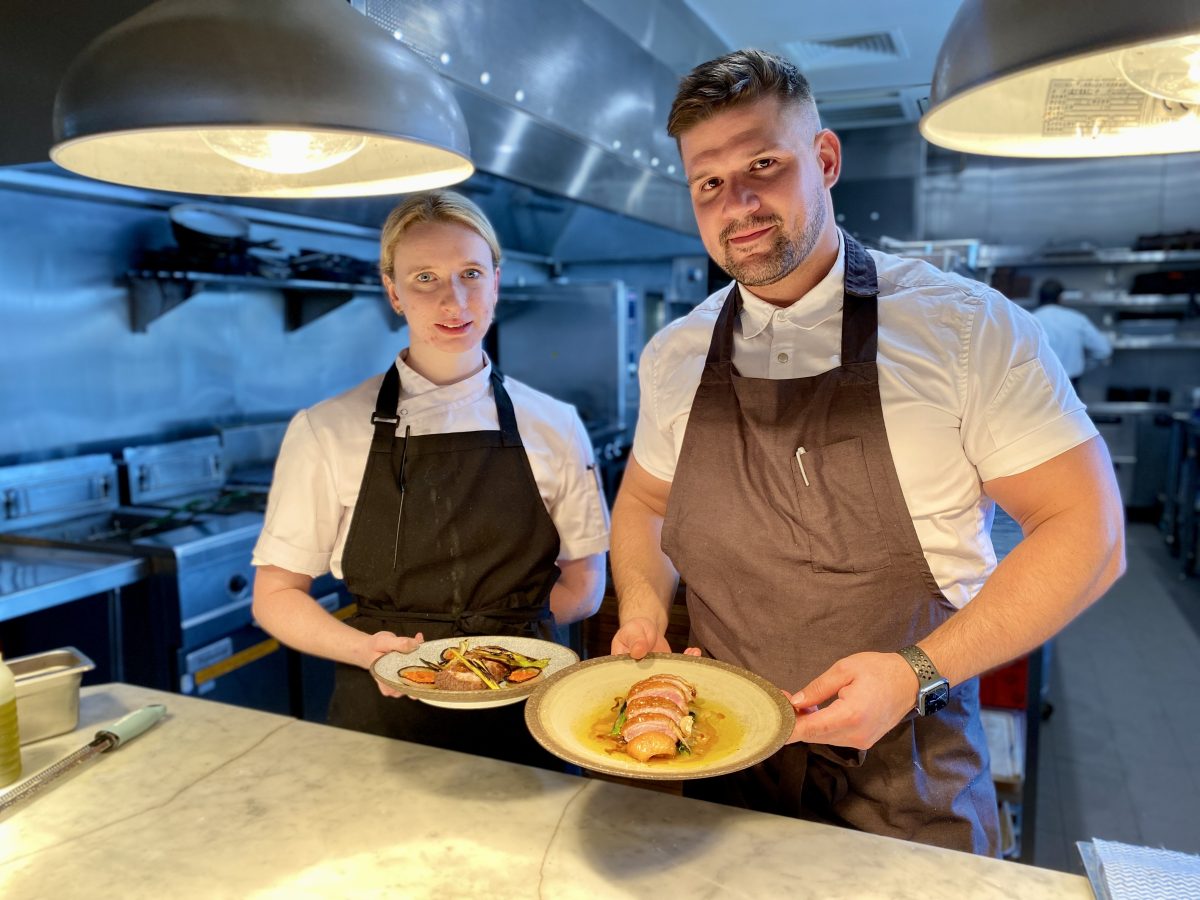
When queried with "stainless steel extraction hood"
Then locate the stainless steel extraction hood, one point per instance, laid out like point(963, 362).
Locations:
point(556, 95)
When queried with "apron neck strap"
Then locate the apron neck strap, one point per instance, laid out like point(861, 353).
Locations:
point(504, 411)
point(860, 305)
point(384, 418)
point(387, 400)
point(720, 348)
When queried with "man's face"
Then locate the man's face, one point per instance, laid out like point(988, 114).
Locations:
point(759, 174)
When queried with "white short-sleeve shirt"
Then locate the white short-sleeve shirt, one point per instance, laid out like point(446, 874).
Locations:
point(970, 392)
point(324, 454)
point(1072, 337)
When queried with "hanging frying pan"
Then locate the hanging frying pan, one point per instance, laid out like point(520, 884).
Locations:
point(209, 229)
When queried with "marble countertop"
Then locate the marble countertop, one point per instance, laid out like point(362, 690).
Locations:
point(219, 801)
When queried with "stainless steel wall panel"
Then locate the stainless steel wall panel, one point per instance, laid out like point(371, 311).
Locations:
point(73, 375)
point(1180, 192)
point(1108, 202)
point(570, 340)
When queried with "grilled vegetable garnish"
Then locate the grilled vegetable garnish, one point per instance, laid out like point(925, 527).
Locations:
point(476, 668)
point(466, 668)
point(620, 723)
point(509, 658)
point(418, 674)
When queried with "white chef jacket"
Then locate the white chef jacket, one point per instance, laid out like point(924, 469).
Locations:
point(970, 392)
point(1071, 335)
point(324, 454)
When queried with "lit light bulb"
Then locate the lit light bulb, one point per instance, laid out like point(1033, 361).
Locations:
point(284, 152)
point(1166, 69)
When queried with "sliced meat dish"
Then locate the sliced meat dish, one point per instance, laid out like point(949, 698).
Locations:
point(635, 725)
point(657, 718)
point(668, 690)
point(450, 680)
point(648, 703)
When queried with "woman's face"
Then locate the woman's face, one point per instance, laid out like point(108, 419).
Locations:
point(444, 284)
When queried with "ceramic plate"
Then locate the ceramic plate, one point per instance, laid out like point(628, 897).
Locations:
point(388, 666)
point(757, 717)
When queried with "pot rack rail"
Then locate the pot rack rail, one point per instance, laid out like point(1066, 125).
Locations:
point(153, 294)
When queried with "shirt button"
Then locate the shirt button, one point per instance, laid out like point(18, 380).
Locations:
point(782, 357)
point(404, 412)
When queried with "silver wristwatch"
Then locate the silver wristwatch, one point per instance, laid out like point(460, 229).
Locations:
point(934, 690)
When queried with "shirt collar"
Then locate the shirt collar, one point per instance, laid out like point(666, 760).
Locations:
point(807, 312)
point(418, 388)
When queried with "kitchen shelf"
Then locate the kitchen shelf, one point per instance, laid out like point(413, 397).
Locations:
point(1156, 342)
point(1110, 257)
point(1121, 300)
point(154, 293)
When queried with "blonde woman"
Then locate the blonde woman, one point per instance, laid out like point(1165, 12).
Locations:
point(451, 500)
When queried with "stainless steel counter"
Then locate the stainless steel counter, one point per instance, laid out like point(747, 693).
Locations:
point(36, 578)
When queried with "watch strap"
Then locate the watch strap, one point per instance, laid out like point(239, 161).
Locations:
point(921, 664)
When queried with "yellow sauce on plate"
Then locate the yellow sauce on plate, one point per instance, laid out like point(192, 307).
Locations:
point(715, 735)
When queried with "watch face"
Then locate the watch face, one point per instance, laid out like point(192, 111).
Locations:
point(936, 698)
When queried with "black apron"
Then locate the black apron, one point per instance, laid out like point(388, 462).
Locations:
point(793, 562)
point(450, 538)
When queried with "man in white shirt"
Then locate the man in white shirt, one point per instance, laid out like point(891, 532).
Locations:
point(818, 454)
point(1070, 334)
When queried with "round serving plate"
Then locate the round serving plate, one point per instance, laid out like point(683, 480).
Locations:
point(757, 715)
point(387, 669)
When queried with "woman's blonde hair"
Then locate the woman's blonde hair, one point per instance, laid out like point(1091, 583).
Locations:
point(433, 206)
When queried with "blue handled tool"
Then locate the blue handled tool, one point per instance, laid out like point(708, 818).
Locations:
point(119, 732)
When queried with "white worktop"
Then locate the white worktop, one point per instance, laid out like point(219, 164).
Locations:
point(219, 801)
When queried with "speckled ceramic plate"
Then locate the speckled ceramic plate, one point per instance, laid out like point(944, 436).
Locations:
point(387, 669)
point(752, 718)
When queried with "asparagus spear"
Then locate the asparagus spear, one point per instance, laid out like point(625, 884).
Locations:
point(475, 669)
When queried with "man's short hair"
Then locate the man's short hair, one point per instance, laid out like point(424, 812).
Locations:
point(1050, 291)
point(735, 78)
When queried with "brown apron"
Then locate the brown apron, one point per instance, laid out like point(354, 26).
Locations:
point(786, 577)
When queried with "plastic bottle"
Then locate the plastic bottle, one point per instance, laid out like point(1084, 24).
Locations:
point(10, 741)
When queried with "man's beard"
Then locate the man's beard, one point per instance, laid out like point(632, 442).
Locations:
point(785, 255)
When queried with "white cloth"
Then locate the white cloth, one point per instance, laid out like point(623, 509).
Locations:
point(1130, 872)
point(1072, 337)
point(969, 390)
point(324, 454)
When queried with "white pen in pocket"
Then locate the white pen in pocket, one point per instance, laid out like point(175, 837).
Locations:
point(800, 451)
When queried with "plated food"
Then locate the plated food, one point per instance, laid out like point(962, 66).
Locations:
point(454, 672)
point(737, 718)
point(658, 719)
point(479, 668)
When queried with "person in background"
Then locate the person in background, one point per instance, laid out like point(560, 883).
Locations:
point(819, 450)
point(1070, 333)
point(453, 501)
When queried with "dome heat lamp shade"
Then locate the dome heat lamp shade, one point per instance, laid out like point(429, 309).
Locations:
point(258, 98)
point(1068, 78)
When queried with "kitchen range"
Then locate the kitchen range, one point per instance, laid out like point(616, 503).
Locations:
point(188, 625)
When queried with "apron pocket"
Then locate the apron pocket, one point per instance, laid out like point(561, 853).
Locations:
point(838, 508)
